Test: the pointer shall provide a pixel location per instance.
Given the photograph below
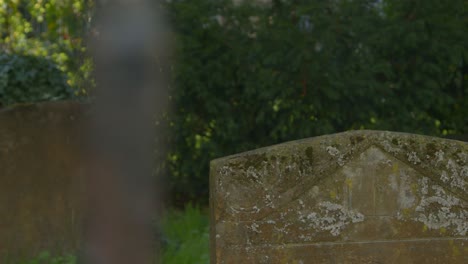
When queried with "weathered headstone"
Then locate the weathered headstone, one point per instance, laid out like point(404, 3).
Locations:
point(354, 197)
point(41, 189)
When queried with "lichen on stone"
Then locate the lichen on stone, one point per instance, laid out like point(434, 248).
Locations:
point(442, 210)
point(355, 186)
point(331, 217)
point(413, 158)
point(254, 227)
point(334, 152)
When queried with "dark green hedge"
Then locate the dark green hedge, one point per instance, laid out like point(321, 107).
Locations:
point(250, 76)
point(25, 79)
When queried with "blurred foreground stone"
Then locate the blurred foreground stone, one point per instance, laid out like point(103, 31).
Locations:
point(354, 197)
point(41, 181)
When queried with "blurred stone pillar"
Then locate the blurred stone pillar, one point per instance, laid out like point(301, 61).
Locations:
point(122, 191)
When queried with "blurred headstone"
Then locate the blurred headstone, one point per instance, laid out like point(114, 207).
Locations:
point(41, 179)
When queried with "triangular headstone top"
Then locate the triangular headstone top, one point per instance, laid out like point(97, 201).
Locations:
point(353, 197)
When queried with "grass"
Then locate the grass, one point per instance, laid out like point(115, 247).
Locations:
point(185, 240)
point(46, 258)
point(186, 236)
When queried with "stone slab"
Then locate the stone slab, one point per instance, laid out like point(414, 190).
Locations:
point(41, 189)
point(353, 197)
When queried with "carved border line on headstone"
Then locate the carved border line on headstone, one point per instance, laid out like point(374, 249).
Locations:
point(353, 187)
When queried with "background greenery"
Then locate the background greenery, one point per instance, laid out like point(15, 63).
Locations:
point(185, 240)
point(52, 29)
point(250, 75)
point(26, 78)
point(247, 75)
point(186, 236)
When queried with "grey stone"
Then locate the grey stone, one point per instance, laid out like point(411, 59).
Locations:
point(353, 197)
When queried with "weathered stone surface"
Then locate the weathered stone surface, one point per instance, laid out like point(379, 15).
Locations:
point(354, 197)
point(40, 189)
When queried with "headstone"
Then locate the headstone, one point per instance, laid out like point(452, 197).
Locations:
point(41, 189)
point(354, 197)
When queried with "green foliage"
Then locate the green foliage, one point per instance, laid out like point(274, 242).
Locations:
point(31, 79)
point(254, 75)
point(186, 237)
point(250, 75)
point(52, 29)
point(46, 258)
point(186, 240)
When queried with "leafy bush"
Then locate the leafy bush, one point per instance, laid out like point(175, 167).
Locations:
point(52, 29)
point(255, 75)
point(31, 79)
point(250, 75)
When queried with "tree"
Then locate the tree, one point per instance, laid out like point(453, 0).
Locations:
point(254, 75)
point(251, 74)
point(50, 29)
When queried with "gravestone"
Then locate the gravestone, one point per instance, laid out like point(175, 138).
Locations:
point(353, 197)
point(41, 189)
